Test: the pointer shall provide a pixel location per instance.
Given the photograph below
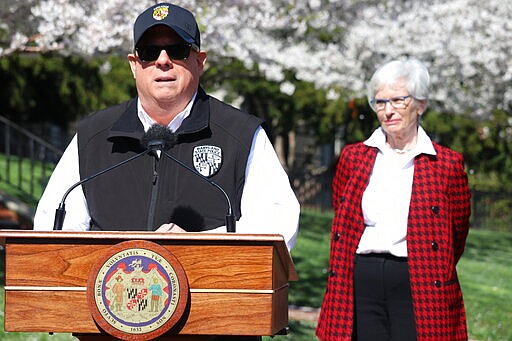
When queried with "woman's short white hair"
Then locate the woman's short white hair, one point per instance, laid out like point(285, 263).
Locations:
point(411, 73)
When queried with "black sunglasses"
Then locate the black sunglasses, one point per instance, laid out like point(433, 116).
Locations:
point(150, 53)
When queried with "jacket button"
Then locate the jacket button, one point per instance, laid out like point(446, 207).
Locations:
point(437, 283)
point(337, 236)
point(435, 246)
point(342, 198)
point(435, 209)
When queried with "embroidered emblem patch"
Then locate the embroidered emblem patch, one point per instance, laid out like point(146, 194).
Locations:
point(207, 159)
point(160, 12)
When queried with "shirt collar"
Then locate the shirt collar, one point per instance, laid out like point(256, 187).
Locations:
point(423, 145)
point(147, 121)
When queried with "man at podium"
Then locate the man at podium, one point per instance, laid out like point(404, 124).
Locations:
point(160, 189)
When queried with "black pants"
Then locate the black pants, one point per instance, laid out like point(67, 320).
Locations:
point(383, 303)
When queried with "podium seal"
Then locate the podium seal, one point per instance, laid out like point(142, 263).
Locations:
point(137, 291)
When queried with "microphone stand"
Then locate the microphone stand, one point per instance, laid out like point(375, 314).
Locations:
point(60, 212)
point(230, 217)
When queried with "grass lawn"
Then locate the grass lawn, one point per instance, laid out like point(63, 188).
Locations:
point(485, 272)
point(18, 172)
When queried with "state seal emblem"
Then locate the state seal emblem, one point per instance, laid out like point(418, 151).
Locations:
point(137, 291)
point(160, 12)
point(207, 159)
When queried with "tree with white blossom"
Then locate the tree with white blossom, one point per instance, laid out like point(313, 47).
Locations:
point(335, 44)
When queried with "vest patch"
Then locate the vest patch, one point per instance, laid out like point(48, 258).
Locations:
point(207, 159)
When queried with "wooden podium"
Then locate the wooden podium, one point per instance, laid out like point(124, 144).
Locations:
point(238, 283)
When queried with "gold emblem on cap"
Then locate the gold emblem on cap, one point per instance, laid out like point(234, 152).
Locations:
point(160, 12)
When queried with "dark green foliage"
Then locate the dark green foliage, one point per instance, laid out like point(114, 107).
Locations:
point(39, 88)
point(485, 143)
point(118, 84)
point(59, 89)
point(307, 111)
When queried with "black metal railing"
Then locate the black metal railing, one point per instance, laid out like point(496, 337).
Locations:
point(26, 161)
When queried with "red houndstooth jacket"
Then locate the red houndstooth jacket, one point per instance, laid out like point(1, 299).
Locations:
point(438, 224)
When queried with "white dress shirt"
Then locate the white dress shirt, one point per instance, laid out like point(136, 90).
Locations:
point(268, 203)
point(386, 200)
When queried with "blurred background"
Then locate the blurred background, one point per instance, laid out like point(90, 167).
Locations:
point(302, 66)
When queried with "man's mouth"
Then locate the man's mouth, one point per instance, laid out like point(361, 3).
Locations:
point(164, 79)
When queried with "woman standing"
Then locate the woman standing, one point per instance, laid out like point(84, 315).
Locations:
point(402, 207)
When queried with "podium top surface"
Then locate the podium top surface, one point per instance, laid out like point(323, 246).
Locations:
point(275, 240)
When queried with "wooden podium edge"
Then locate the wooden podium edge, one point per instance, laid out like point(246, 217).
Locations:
point(156, 236)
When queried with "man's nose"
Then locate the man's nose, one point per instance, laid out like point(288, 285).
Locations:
point(163, 59)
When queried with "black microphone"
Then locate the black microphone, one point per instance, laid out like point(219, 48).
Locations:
point(161, 138)
point(60, 212)
point(158, 137)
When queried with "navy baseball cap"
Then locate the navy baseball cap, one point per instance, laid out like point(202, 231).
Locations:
point(177, 18)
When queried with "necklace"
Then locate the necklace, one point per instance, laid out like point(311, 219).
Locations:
point(398, 150)
point(401, 151)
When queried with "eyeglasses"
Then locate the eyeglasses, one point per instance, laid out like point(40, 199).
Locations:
point(398, 102)
point(150, 53)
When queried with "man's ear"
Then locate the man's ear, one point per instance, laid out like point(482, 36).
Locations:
point(132, 60)
point(201, 60)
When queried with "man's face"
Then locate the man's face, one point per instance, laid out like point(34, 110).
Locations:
point(166, 81)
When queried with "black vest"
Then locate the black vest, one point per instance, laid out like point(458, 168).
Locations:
point(121, 199)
